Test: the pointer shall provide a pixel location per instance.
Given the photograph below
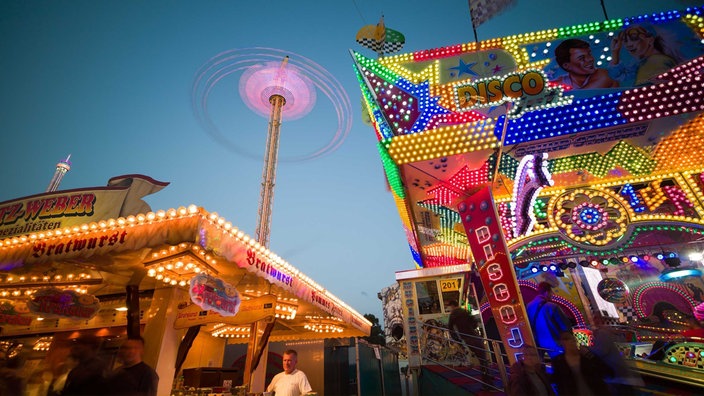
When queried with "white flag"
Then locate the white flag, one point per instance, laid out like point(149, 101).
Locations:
point(483, 10)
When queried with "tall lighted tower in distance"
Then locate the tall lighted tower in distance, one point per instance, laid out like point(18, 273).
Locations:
point(266, 199)
point(283, 91)
point(61, 169)
point(280, 90)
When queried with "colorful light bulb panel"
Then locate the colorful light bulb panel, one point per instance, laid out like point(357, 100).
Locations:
point(620, 143)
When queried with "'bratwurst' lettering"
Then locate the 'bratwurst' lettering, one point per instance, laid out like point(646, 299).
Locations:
point(77, 244)
point(267, 268)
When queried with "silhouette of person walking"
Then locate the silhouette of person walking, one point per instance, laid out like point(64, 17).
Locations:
point(88, 377)
point(528, 377)
point(463, 328)
point(547, 320)
point(134, 377)
point(578, 371)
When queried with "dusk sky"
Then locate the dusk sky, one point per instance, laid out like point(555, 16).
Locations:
point(112, 84)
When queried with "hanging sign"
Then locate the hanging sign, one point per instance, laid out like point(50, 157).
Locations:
point(250, 311)
point(55, 303)
point(11, 313)
point(59, 209)
point(214, 294)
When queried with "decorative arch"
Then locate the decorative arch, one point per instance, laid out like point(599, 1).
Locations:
point(529, 290)
point(647, 296)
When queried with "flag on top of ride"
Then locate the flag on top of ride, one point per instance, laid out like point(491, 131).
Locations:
point(380, 39)
point(483, 10)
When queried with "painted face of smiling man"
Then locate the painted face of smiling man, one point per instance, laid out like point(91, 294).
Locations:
point(581, 62)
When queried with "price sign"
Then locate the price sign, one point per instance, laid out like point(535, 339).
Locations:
point(447, 285)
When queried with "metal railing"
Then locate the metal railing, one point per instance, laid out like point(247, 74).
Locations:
point(491, 365)
point(487, 360)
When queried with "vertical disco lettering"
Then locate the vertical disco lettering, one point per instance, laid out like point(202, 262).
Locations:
point(489, 250)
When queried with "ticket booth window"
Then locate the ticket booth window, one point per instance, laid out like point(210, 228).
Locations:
point(449, 296)
point(428, 297)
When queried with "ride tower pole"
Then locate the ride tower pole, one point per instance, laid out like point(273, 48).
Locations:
point(266, 198)
point(258, 347)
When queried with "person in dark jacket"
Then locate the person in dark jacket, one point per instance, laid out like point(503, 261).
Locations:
point(528, 377)
point(547, 320)
point(88, 376)
point(11, 382)
point(134, 377)
point(625, 381)
point(464, 328)
point(578, 371)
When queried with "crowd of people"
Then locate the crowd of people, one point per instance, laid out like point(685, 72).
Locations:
point(576, 370)
point(559, 364)
point(90, 374)
point(84, 372)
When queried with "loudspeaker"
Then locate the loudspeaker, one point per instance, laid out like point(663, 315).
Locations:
point(672, 261)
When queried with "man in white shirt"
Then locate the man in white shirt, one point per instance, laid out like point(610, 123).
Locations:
point(291, 382)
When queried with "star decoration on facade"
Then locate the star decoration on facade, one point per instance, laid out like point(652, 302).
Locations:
point(428, 106)
point(464, 68)
point(497, 69)
point(447, 192)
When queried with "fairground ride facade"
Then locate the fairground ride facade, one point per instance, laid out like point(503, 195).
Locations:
point(595, 175)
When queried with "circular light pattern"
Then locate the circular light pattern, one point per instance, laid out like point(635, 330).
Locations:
point(590, 217)
point(256, 65)
point(260, 82)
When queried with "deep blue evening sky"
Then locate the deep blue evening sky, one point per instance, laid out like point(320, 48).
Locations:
point(109, 82)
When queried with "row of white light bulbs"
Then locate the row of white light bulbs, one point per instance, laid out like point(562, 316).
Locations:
point(157, 273)
point(223, 331)
point(103, 224)
point(323, 328)
point(46, 278)
point(29, 292)
point(285, 312)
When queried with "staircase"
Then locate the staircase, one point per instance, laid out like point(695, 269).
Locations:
point(450, 381)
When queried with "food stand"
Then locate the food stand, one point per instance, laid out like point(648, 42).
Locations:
point(101, 262)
